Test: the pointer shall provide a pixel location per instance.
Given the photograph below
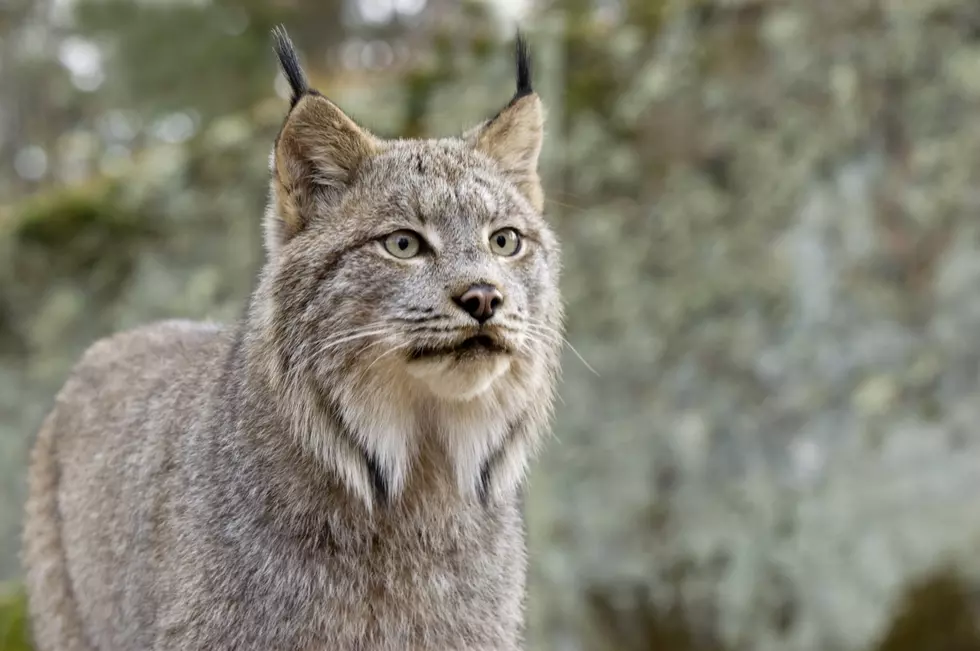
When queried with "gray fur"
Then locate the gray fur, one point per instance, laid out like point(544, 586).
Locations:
point(283, 484)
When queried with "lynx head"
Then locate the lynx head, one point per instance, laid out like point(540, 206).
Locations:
point(411, 286)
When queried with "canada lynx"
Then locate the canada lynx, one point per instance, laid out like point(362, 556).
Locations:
point(342, 469)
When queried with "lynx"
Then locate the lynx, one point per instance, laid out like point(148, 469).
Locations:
point(342, 469)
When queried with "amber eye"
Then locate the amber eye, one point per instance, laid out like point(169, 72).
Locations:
point(403, 244)
point(505, 242)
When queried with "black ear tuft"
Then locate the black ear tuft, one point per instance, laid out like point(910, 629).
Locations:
point(523, 55)
point(289, 62)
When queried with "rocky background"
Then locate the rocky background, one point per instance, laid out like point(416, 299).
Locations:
point(769, 212)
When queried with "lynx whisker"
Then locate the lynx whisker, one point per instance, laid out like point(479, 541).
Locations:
point(543, 328)
point(350, 335)
point(390, 351)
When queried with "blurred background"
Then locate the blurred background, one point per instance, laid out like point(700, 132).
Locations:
point(769, 214)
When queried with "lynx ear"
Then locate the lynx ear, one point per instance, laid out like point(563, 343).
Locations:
point(514, 137)
point(317, 153)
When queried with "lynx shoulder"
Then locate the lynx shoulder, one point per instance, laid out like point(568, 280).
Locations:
point(342, 468)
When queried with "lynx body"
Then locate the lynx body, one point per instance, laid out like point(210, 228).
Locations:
point(343, 468)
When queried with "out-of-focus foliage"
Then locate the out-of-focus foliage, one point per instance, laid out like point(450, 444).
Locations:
point(937, 613)
point(768, 216)
point(211, 56)
point(14, 628)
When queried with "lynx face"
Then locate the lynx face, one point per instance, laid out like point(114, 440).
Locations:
point(428, 258)
point(410, 284)
point(432, 264)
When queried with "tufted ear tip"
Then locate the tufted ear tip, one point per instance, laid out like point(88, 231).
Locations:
point(523, 60)
point(514, 137)
point(289, 64)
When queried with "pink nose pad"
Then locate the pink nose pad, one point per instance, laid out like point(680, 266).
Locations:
point(480, 301)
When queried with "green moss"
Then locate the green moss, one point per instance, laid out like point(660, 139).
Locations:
point(87, 231)
point(936, 614)
point(648, 15)
point(642, 625)
point(14, 634)
point(57, 219)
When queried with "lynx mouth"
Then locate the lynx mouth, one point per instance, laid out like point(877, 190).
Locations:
point(482, 345)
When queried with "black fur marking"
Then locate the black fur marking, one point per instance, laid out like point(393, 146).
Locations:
point(483, 486)
point(523, 56)
point(483, 489)
point(378, 479)
point(289, 63)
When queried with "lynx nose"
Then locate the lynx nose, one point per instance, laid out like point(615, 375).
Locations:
point(480, 301)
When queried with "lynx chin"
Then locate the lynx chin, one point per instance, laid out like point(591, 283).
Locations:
point(343, 468)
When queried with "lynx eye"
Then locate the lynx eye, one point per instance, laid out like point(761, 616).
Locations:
point(403, 244)
point(505, 242)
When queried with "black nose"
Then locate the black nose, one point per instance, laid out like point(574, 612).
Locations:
point(480, 301)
